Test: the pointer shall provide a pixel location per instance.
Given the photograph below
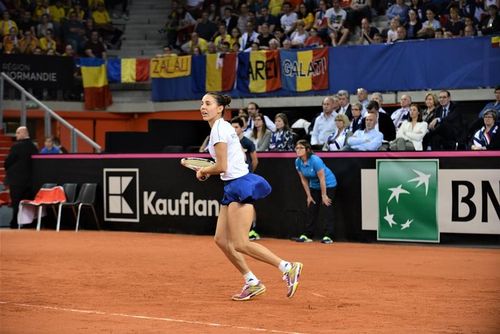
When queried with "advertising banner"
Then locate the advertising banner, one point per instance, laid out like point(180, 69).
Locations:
point(407, 200)
point(54, 72)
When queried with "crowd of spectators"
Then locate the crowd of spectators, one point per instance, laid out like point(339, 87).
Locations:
point(203, 26)
point(69, 28)
point(439, 124)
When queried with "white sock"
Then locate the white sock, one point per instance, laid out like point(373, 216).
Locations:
point(284, 266)
point(251, 279)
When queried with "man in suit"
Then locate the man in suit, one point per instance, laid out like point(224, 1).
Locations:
point(345, 106)
point(450, 127)
point(19, 171)
point(384, 122)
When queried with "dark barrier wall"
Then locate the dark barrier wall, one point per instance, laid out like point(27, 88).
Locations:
point(153, 192)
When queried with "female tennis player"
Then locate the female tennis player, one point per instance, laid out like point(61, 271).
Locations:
point(241, 189)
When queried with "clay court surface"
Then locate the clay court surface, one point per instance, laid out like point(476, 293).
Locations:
point(122, 282)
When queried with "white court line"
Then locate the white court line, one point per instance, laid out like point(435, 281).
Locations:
point(134, 316)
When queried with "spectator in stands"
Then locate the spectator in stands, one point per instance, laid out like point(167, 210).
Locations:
point(486, 137)
point(260, 134)
point(214, 12)
point(299, 35)
point(305, 15)
point(185, 26)
point(266, 17)
point(418, 8)
point(495, 105)
point(274, 44)
point(367, 32)
point(288, 19)
point(105, 26)
point(392, 33)
point(47, 43)
point(243, 17)
point(376, 96)
point(411, 133)
point(345, 106)
point(401, 114)
point(384, 122)
point(11, 42)
point(469, 31)
point(235, 38)
point(356, 120)
point(378, 39)
point(275, 7)
point(222, 36)
point(399, 9)
point(362, 97)
point(359, 10)
point(211, 48)
point(205, 28)
point(27, 23)
point(319, 184)
point(248, 146)
point(454, 27)
point(194, 7)
point(336, 18)
point(80, 12)
point(6, 24)
point(42, 7)
point(18, 169)
point(449, 133)
point(282, 138)
point(28, 43)
point(338, 139)
point(430, 26)
point(74, 32)
point(57, 12)
point(49, 147)
point(320, 20)
point(413, 25)
point(236, 47)
point(369, 139)
point(229, 20)
point(264, 36)
point(400, 34)
point(279, 35)
point(194, 42)
point(94, 47)
point(254, 109)
point(313, 40)
point(44, 25)
point(324, 124)
point(490, 24)
point(248, 37)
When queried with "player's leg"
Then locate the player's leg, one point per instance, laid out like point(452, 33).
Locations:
point(223, 241)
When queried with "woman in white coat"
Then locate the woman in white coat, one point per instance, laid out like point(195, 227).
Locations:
point(411, 132)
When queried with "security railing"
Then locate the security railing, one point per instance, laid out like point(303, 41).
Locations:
point(49, 114)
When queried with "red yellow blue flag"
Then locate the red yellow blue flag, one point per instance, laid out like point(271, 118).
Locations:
point(259, 71)
point(306, 70)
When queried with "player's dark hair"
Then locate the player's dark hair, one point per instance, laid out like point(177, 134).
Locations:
point(222, 100)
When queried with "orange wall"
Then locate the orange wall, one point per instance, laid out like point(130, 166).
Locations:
point(96, 124)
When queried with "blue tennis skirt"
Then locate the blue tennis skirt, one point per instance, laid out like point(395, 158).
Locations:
point(246, 189)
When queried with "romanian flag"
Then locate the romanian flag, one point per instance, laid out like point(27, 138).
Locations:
point(495, 41)
point(220, 72)
point(303, 71)
point(128, 70)
point(95, 83)
point(259, 71)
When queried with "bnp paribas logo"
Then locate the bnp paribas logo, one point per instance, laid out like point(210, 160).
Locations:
point(407, 197)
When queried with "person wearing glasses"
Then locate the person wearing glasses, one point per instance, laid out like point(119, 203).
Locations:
point(319, 184)
point(487, 138)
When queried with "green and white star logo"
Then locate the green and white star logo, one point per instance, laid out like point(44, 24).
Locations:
point(407, 195)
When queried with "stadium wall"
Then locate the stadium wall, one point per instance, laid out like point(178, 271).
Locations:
point(158, 195)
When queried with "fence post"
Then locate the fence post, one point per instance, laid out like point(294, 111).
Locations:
point(48, 125)
point(23, 108)
point(1, 101)
point(74, 141)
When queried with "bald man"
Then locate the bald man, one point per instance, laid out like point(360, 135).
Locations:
point(19, 170)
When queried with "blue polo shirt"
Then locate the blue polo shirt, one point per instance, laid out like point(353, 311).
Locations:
point(310, 171)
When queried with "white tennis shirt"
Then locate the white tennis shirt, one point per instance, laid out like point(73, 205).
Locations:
point(223, 132)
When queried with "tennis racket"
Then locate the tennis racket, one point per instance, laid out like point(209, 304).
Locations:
point(197, 163)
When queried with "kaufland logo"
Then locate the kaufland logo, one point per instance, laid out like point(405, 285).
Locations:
point(121, 194)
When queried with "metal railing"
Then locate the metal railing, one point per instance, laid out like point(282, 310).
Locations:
point(49, 114)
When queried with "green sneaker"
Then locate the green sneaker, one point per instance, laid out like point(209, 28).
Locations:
point(304, 238)
point(291, 277)
point(326, 240)
point(252, 235)
point(250, 291)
